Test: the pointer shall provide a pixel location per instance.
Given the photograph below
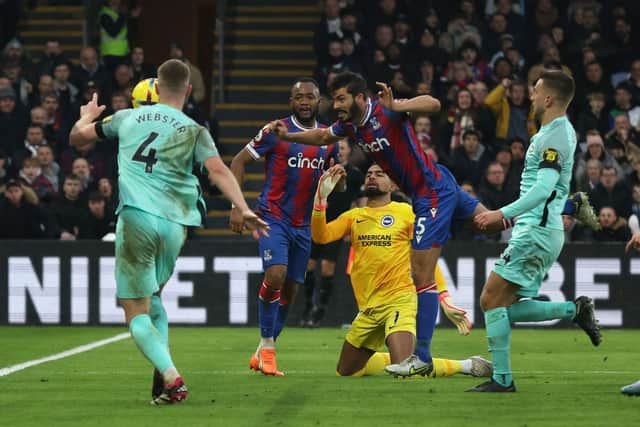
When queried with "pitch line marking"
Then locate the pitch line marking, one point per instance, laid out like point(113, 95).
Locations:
point(71, 352)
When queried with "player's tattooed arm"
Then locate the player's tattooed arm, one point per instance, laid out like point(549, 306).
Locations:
point(317, 137)
point(418, 104)
point(84, 132)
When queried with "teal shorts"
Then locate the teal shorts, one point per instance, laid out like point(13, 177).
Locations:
point(147, 247)
point(531, 252)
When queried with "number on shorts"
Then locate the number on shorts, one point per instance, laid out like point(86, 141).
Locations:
point(150, 159)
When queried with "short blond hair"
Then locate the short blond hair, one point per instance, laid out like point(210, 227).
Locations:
point(173, 76)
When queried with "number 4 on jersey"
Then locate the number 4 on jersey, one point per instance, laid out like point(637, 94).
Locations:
point(150, 159)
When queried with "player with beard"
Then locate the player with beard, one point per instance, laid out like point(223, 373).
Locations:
point(292, 172)
point(383, 129)
point(509, 294)
point(381, 234)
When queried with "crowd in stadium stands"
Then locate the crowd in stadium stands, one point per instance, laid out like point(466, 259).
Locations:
point(481, 60)
point(49, 189)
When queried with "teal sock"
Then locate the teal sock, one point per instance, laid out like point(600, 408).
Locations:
point(150, 342)
point(499, 337)
point(536, 311)
point(159, 317)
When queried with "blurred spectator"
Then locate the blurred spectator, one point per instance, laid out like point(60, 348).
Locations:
point(119, 101)
point(12, 121)
point(634, 80)
point(593, 117)
point(352, 60)
point(622, 141)
point(402, 31)
point(498, 27)
point(595, 150)
point(105, 187)
point(510, 106)
point(82, 169)
point(384, 12)
point(422, 128)
point(114, 31)
point(19, 219)
point(493, 192)
point(90, 70)
point(68, 211)
point(100, 221)
point(14, 53)
point(471, 56)
point(593, 80)
point(458, 32)
point(334, 63)
point(9, 17)
point(511, 170)
point(591, 178)
point(58, 122)
point(328, 28)
point(198, 91)
point(460, 117)
point(122, 80)
point(68, 94)
point(51, 56)
point(141, 69)
point(34, 137)
point(470, 159)
point(611, 192)
point(624, 47)
point(614, 228)
point(50, 168)
point(428, 50)
point(44, 86)
point(623, 103)
point(23, 89)
point(31, 175)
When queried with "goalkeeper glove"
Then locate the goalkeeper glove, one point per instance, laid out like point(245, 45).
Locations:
point(327, 183)
point(457, 315)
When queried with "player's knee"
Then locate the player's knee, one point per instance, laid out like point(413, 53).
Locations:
point(328, 268)
point(275, 278)
point(490, 299)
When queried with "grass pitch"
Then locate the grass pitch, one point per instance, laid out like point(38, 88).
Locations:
point(561, 379)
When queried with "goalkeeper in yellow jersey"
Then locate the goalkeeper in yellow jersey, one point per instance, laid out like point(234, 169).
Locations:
point(381, 236)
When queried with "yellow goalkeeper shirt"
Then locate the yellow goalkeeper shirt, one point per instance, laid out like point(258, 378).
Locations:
point(381, 241)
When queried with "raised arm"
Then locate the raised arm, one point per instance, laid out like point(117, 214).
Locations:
point(418, 104)
point(321, 232)
point(309, 137)
point(84, 132)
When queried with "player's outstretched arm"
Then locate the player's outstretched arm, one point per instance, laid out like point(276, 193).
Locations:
point(538, 194)
point(84, 132)
point(238, 166)
point(222, 177)
point(418, 104)
point(317, 136)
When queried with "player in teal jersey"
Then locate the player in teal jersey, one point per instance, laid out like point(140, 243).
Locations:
point(632, 389)
point(159, 197)
point(538, 234)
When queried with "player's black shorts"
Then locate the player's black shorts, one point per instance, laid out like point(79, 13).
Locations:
point(329, 252)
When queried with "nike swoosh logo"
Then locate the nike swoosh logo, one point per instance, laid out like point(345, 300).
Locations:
point(358, 221)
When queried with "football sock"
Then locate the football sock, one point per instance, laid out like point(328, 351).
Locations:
point(268, 299)
point(498, 328)
point(536, 311)
point(426, 319)
point(281, 318)
point(446, 367)
point(159, 317)
point(376, 363)
point(150, 342)
point(569, 208)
